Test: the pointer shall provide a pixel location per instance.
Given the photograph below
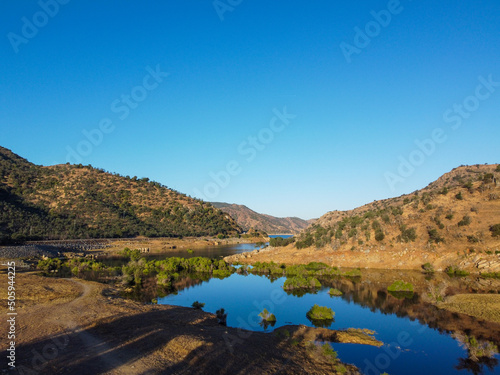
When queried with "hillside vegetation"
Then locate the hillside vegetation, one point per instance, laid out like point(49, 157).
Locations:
point(454, 220)
point(249, 219)
point(75, 201)
point(457, 210)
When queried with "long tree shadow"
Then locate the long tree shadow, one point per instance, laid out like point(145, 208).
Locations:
point(199, 343)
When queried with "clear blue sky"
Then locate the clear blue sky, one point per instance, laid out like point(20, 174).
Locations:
point(231, 69)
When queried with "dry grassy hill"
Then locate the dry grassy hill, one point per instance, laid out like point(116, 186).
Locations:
point(249, 219)
point(75, 201)
point(454, 220)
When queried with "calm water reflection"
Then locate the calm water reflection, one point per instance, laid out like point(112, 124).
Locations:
point(417, 336)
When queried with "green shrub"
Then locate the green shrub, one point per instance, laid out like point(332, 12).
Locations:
point(352, 273)
point(328, 352)
point(197, 305)
point(400, 286)
point(465, 221)
point(491, 275)
point(495, 230)
point(267, 316)
point(455, 271)
point(472, 239)
point(221, 316)
point(449, 216)
point(444, 191)
point(379, 235)
point(434, 236)
point(308, 241)
point(408, 234)
point(459, 196)
point(301, 282)
point(320, 313)
point(334, 292)
point(280, 241)
point(428, 267)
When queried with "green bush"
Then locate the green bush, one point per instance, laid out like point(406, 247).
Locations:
point(400, 286)
point(455, 271)
point(334, 292)
point(379, 235)
point(428, 267)
point(308, 241)
point(472, 239)
point(495, 230)
point(459, 196)
point(465, 221)
point(434, 236)
point(221, 316)
point(444, 191)
point(280, 241)
point(408, 234)
point(491, 275)
point(197, 305)
point(328, 352)
point(267, 316)
point(320, 313)
point(352, 273)
point(301, 282)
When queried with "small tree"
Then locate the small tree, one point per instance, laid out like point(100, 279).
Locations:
point(427, 267)
point(197, 305)
point(495, 230)
point(379, 235)
point(465, 221)
point(267, 316)
point(221, 316)
point(434, 236)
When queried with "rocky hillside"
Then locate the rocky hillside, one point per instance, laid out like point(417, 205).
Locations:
point(75, 201)
point(453, 221)
point(249, 219)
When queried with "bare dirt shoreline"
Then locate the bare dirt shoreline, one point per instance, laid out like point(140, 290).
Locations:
point(80, 327)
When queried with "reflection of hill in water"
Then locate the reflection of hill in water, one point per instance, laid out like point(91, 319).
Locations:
point(371, 291)
point(187, 282)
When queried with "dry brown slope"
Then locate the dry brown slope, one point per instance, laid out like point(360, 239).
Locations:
point(448, 222)
point(248, 219)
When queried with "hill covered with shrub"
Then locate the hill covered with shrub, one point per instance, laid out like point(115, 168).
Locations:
point(454, 221)
point(76, 201)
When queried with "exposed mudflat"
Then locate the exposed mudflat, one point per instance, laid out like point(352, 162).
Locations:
point(481, 306)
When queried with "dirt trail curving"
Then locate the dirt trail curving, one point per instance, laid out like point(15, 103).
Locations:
point(68, 326)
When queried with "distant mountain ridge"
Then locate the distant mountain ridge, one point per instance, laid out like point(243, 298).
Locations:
point(248, 219)
point(75, 201)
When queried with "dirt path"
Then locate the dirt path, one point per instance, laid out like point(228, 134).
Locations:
point(68, 323)
point(68, 326)
point(93, 345)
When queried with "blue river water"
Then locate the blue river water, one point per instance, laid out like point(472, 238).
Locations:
point(410, 347)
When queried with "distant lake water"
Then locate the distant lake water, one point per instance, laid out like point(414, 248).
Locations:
point(280, 235)
point(218, 252)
